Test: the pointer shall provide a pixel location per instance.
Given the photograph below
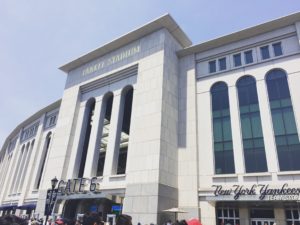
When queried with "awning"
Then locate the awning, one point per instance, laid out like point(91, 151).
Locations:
point(27, 206)
point(8, 207)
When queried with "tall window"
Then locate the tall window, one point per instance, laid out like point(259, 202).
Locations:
point(44, 156)
point(292, 216)
point(285, 131)
point(86, 132)
point(25, 167)
point(212, 66)
point(237, 59)
point(253, 143)
point(107, 107)
point(248, 57)
point(125, 119)
point(223, 149)
point(264, 51)
point(228, 216)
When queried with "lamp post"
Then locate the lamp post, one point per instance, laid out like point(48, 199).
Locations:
point(53, 185)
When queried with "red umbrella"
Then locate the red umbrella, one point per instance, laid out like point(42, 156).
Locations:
point(194, 222)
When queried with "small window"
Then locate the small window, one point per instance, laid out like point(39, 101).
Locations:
point(277, 49)
point(222, 64)
point(212, 66)
point(264, 51)
point(237, 60)
point(248, 57)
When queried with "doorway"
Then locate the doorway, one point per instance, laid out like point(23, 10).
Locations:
point(262, 216)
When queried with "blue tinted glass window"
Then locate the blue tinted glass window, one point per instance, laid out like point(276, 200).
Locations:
point(284, 125)
point(277, 49)
point(264, 51)
point(254, 150)
point(223, 149)
point(248, 57)
point(222, 64)
point(237, 60)
point(212, 66)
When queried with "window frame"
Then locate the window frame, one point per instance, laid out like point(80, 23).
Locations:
point(222, 62)
point(274, 51)
point(265, 54)
point(250, 52)
point(239, 55)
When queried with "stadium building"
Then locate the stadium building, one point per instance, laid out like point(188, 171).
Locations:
point(150, 122)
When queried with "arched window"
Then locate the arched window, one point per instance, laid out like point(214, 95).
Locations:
point(25, 167)
point(285, 131)
point(106, 107)
point(223, 149)
point(253, 142)
point(125, 119)
point(86, 132)
point(43, 160)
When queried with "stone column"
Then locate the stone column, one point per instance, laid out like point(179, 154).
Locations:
point(28, 173)
point(112, 150)
point(207, 212)
point(93, 151)
point(236, 131)
point(244, 216)
point(279, 216)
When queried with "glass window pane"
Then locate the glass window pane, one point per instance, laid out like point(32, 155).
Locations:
point(286, 102)
point(259, 143)
point(289, 121)
point(256, 125)
point(226, 129)
point(254, 108)
point(218, 133)
point(288, 214)
point(293, 139)
point(275, 104)
point(218, 147)
point(246, 127)
point(237, 60)
point(278, 122)
point(248, 144)
point(277, 49)
point(264, 51)
point(212, 66)
point(216, 114)
point(222, 64)
point(248, 57)
point(228, 146)
point(244, 109)
point(281, 140)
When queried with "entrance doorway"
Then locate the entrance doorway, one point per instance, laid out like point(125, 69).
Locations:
point(262, 216)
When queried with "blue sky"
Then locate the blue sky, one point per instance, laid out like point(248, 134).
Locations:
point(36, 37)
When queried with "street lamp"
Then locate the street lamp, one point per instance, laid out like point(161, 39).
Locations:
point(53, 185)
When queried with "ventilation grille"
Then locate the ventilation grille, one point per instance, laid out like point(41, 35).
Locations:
point(110, 79)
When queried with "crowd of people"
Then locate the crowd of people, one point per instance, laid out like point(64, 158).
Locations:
point(88, 219)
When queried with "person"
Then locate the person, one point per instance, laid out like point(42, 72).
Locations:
point(91, 219)
point(12, 220)
point(123, 219)
point(183, 222)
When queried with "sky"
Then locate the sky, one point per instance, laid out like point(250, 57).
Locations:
point(37, 37)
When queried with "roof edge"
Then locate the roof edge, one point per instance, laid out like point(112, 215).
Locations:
point(241, 35)
point(165, 21)
point(30, 119)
